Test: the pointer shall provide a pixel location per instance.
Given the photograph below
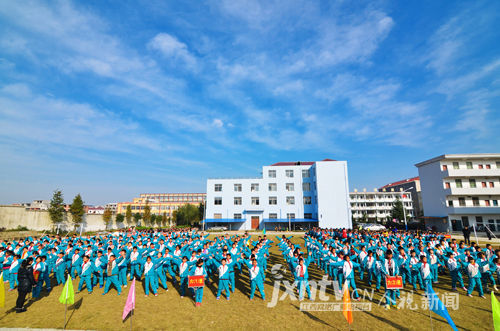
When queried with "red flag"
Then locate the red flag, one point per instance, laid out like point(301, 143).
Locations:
point(130, 304)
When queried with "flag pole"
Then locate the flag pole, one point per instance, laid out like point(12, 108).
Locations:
point(66, 305)
point(131, 314)
point(430, 303)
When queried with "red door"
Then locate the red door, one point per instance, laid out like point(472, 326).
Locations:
point(255, 222)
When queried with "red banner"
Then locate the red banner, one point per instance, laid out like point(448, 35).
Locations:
point(447, 236)
point(394, 282)
point(196, 281)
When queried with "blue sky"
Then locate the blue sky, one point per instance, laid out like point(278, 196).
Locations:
point(110, 99)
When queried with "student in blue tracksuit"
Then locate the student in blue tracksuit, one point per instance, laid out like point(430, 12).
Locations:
point(122, 261)
point(149, 276)
point(301, 274)
point(472, 269)
point(60, 268)
point(37, 272)
point(348, 273)
point(6, 263)
point(45, 274)
point(76, 264)
point(99, 271)
point(14, 268)
point(484, 268)
point(256, 278)
point(415, 272)
point(112, 275)
point(135, 265)
point(198, 270)
point(85, 274)
point(224, 269)
point(390, 268)
point(367, 265)
point(183, 267)
point(159, 273)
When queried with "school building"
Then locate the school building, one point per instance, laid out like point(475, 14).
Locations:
point(287, 195)
point(161, 203)
point(462, 189)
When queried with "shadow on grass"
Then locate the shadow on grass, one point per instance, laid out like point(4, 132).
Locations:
point(311, 316)
point(76, 306)
point(435, 320)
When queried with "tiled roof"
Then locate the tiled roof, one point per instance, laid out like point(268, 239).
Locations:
point(401, 182)
point(281, 164)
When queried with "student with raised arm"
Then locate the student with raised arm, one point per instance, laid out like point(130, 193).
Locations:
point(224, 269)
point(301, 274)
point(198, 270)
point(256, 278)
point(472, 269)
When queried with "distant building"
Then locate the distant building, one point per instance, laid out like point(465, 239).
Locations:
point(161, 203)
point(378, 205)
point(95, 210)
point(35, 205)
point(462, 189)
point(112, 206)
point(305, 193)
point(411, 185)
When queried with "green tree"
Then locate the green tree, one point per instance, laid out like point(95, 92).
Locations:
point(187, 215)
point(120, 219)
point(147, 213)
point(137, 218)
point(201, 211)
point(173, 219)
point(152, 220)
point(106, 217)
point(164, 219)
point(364, 218)
point(128, 214)
point(56, 209)
point(397, 211)
point(77, 210)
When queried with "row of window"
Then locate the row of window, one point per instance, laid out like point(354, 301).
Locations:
point(472, 184)
point(271, 216)
point(255, 201)
point(174, 199)
point(475, 202)
point(306, 173)
point(272, 187)
point(469, 165)
point(152, 207)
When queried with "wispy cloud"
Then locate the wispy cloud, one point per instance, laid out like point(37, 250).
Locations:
point(172, 49)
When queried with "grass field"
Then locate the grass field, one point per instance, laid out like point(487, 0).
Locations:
point(169, 311)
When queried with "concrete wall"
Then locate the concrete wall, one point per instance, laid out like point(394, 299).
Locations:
point(433, 195)
point(13, 216)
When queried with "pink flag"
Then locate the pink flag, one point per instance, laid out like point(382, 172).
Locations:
point(130, 304)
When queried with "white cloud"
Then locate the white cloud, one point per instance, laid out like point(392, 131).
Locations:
point(217, 123)
point(170, 47)
point(17, 90)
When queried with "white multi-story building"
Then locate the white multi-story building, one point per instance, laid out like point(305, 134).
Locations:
point(465, 188)
point(378, 205)
point(305, 193)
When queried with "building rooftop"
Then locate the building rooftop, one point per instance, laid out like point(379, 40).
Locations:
point(287, 164)
point(485, 156)
point(400, 182)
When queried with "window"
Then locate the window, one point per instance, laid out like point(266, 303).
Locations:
point(217, 201)
point(237, 201)
point(447, 185)
point(495, 203)
point(475, 201)
point(132, 207)
point(479, 219)
point(142, 207)
point(450, 203)
point(306, 173)
point(487, 203)
point(469, 165)
point(218, 188)
point(488, 166)
point(445, 167)
point(237, 187)
point(306, 187)
point(273, 216)
point(480, 166)
point(272, 173)
point(315, 186)
point(492, 184)
point(307, 200)
point(273, 200)
point(237, 216)
point(458, 183)
point(308, 215)
point(472, 183)
point(273, 187)
point(254, 188)
point(290, 216)
point(455, 165)
point(218, 216)
point(289, 187)
point(289, 173)
point(461, 202)
point(316, 199)
point(498, 164)
point(255, 201)
point(290, 200)
point(483, 184)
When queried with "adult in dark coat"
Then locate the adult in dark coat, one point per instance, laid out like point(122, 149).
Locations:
point(466, 232)
point(26, 281)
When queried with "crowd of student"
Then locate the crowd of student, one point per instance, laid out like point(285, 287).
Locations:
point(114, 260)
point(154, 256)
